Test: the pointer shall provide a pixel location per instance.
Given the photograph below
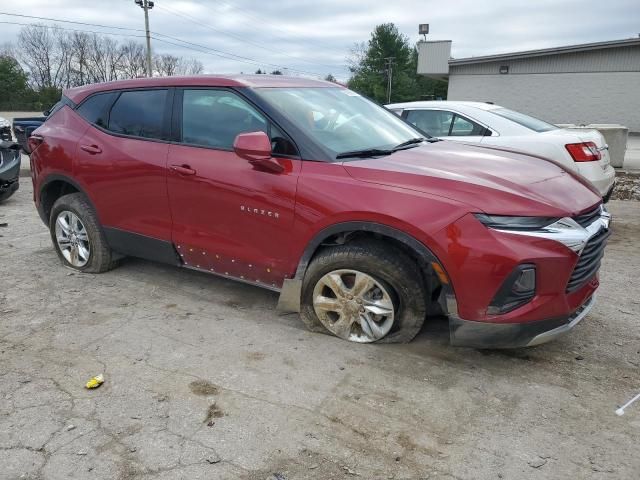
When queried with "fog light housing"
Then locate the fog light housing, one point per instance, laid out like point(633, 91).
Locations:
point(519, 288)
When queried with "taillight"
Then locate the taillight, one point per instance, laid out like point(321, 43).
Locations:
point(583, 152)
point(34, 141)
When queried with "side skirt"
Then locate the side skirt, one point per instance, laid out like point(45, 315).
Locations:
point(141, 246)
point(231, 277)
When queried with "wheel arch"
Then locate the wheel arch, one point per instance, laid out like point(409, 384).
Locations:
point(54, 186)
point(290, 295)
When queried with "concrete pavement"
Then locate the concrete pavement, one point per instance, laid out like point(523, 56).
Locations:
point(203, 380)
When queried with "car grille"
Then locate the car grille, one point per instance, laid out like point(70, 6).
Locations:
point(588, 218)
point(589, 261)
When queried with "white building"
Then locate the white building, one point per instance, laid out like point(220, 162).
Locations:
point(581, 84)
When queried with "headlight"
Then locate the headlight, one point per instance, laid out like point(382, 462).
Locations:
point(4, 123)
point(501, 222)
point(563, 230)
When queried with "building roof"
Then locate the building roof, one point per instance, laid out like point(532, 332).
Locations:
point(627, 42)
point(78, 94)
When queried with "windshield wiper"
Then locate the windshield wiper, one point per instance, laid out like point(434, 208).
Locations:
point(366, 153)
point(408, 143)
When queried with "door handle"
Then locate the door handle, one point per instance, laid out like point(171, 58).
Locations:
point(92, 149)
point(183, 169)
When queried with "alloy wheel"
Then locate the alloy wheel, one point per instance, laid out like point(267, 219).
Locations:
point(72, 239)
point(353, 305)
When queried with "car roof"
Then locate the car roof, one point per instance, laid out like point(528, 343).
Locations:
point(78, 94)
point(445, 104)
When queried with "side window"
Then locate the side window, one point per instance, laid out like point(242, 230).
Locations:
point(95, 108)
point(139, 113)
point(280, 143)
point(213, 118)
point(463, 127)
point(432, 122)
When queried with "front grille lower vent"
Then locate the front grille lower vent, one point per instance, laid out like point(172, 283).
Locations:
point(589, 261)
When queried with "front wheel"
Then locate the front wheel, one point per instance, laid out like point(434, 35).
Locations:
point(364, 292)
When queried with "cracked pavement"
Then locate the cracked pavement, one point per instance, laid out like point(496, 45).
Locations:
point(204, 380)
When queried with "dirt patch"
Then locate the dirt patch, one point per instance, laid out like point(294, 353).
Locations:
point(203, 388)
point(627, 186)
point(255, 356)
point(213, 412)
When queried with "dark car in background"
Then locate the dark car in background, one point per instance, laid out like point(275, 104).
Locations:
point(23, 128)
point(5, 130)
point(9, 168)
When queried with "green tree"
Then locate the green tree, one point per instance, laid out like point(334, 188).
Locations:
point(369, 65)
point(276, 72)
point(14, 87)
point(331, 78)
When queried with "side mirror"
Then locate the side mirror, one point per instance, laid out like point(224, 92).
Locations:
point(256, 147)
point(46, 113)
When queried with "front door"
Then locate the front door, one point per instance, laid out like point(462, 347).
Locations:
point(229, 217)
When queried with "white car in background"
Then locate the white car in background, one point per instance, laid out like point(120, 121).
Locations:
point(584, 151)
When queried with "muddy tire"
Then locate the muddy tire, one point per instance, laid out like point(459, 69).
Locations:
point(77, 236)
point(332, 293)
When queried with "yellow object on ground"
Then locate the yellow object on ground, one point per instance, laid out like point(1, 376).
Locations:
point(95, 382)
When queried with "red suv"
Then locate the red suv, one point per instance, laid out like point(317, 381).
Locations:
point(305, 187)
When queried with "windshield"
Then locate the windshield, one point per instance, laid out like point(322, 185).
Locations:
point(526, 121)
point(339, 119)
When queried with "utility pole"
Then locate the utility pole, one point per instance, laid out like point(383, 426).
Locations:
point(147, 5)
point(389, 61)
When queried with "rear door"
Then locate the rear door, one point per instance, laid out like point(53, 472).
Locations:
point(446, 124)
point(229, 217)
point(121, 159)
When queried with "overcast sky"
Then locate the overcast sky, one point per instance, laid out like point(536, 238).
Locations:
point(314, 36)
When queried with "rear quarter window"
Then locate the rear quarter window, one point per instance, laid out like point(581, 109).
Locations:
point(524, 120)
point(95, 109)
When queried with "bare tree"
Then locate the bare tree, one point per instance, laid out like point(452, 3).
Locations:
point(165, 65)
point(58, 59)
point(103, 59)
point(132, 60)
point(36, 45)
point(357, 54)
point(170, 65)
point(190, 66)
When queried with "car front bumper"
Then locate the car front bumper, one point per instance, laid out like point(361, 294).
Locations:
point(468, 333)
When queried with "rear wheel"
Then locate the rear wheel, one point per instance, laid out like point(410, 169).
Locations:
point(364, 292)
point(77, 236)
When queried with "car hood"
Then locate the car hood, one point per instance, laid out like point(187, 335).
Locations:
point(489, 179)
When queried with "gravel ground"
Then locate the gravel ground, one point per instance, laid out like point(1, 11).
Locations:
point(627, 186)
point(204, 380)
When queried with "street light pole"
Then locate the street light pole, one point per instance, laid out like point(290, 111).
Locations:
point(147, 5)
point(389, 61)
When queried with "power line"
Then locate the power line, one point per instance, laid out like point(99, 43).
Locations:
point(70, 21)
point(200, 48)
point(237, 37)
point(219, 53)
point(57, 27)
